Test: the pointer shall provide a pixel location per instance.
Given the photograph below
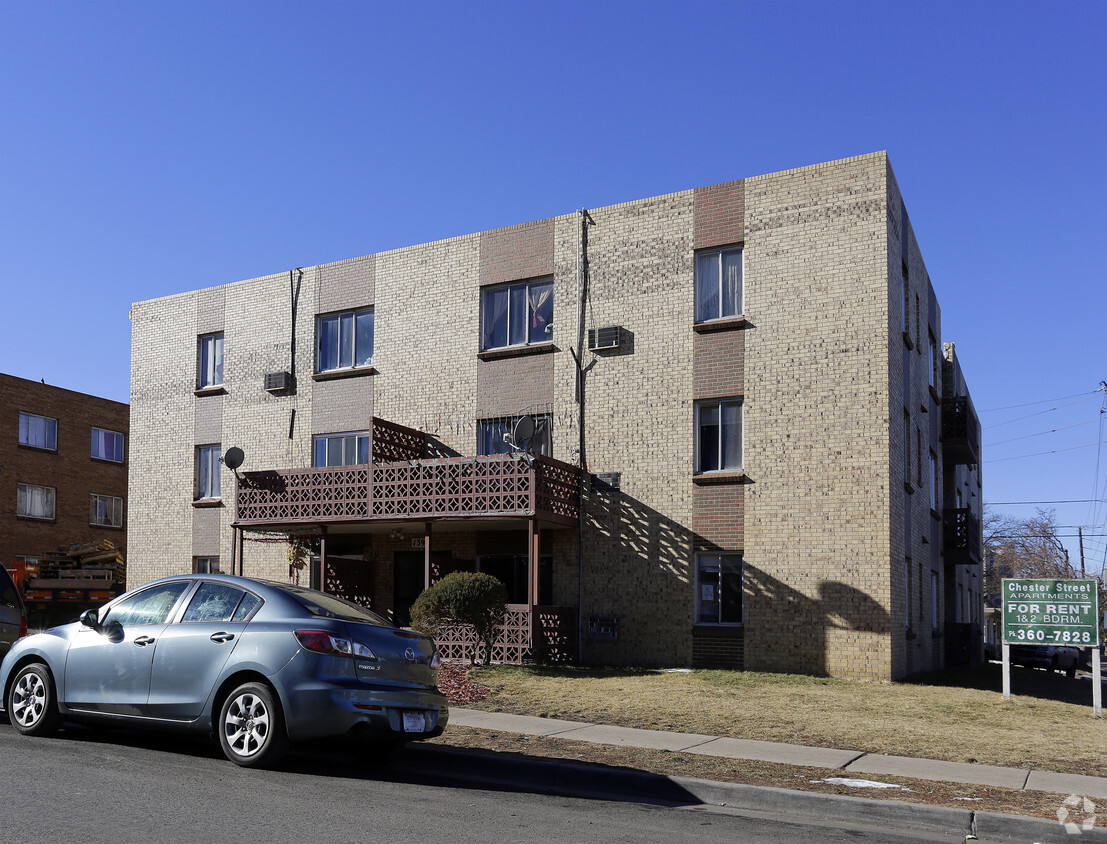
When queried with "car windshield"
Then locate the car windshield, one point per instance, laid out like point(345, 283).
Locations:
point(330, 606)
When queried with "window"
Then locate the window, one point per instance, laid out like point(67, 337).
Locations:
point(151, 606)
point(207, 471)
point(490, 436)
point(918, 457)
point(718, 284)
point(35, 502)
point(107, 445)
point(935, 483)
point(934, 601)
point(218, 603)
point(38, 431)
point(933, 361)
point(105, 510)
point(719, 589)
point(517, 314)
point(907, 589)
point(906, 303)
point(719, 436)
point(209, 367)
point(906, 448)
point(341, 449)
point(344, 340)
point(511, 571)
point(205, 565)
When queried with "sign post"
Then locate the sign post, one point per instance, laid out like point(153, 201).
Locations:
point(1062, 613)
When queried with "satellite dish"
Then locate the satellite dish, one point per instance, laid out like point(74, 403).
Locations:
point(524, 429)
point(233, 458)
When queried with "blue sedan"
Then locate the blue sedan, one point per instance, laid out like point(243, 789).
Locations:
point(258, 664)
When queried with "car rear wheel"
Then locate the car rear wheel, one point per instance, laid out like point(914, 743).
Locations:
point(251, 727)
point(32, 704)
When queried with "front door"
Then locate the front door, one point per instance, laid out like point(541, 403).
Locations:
point(409, 579)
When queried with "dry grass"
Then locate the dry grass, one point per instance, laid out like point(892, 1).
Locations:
point(956, 716)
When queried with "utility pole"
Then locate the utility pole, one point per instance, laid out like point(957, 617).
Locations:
point(1080, 533)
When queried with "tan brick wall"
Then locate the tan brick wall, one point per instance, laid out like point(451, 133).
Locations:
point(817, 549)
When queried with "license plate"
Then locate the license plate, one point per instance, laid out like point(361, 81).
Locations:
point(415, 722)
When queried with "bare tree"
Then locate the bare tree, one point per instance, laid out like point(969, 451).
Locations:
point(1022, 548)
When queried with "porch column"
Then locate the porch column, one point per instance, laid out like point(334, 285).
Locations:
point(239, 545)
point(534, 534)
point(234, 547)
point(322, 558)
point(426, 555)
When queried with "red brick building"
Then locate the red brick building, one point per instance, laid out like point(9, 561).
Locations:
point(63, 469)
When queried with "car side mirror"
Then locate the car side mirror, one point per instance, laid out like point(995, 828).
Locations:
point(91, 618)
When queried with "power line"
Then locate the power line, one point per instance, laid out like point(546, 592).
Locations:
point(1064, 501)
point(1042, 433)
point(1039, 413)
point(1043, 401)
point(1042, 453)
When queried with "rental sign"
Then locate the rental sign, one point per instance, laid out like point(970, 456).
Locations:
point(1051, 612)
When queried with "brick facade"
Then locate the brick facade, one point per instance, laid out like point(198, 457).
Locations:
point(827, 530)
point(69, 469)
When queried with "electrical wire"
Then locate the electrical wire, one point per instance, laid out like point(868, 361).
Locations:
point(1041, 453)
point(1039, 413)
point(1043, 401)
point(1042, 434)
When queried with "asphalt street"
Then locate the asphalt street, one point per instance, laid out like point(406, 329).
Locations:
point(93, 785)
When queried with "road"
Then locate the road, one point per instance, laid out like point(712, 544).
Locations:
point(120, 786)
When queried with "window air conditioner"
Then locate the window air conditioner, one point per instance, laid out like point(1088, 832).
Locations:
point(277, 381)
point(604, 338)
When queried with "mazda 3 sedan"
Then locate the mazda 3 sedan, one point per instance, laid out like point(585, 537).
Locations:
point(256, 663)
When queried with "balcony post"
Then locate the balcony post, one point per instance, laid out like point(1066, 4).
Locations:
point(426, 555)
point(322, 558)
point(534, 535)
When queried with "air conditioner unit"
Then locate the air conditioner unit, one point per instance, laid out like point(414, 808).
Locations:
point(275, 382)
point(607, 337)
point(607, 482)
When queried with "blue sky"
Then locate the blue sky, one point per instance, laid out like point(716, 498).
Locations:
point(150, 148)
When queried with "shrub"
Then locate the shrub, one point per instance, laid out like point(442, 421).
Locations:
point(468, 598)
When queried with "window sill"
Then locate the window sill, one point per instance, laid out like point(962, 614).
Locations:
point(517, 351)
point(711, 478)
point(96, 459)
point(907, 341)
point(721, 626)
point(207, 502)
point(907, 487)
point(728, 324)
point(934, 394)
point(46, 519)
point(215, 390)
point(935, 515)
point(108, 527)
point(41, 448)
point(336, 374)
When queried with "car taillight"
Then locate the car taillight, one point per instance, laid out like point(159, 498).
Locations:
point(322, 642)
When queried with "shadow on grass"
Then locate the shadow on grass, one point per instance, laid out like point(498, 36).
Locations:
point(1027, 682)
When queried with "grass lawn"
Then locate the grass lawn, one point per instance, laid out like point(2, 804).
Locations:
point(958, 716)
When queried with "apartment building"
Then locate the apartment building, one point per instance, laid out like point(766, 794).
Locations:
point(63, 468)
point(715, 428)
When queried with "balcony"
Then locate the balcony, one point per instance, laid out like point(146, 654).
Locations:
point(960, 431)
point(497, 486)
point(960, 537)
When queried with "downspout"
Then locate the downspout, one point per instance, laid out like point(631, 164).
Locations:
point(578, 358)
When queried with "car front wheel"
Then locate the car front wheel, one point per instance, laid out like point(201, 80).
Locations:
point(251, 727)
point(32, 705)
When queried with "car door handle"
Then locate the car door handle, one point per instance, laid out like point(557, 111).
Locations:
point(143, 641)
point(222, 637)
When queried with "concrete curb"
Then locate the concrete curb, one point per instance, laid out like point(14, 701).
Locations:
point(488, 769)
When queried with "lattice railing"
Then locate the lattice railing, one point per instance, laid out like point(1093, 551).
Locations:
point(555, 631)
point(457, 487)
point(391, 442)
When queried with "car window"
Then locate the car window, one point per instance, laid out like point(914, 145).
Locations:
point(151, 606)
point(246, 606)
point(214, 602)
point(329, 606)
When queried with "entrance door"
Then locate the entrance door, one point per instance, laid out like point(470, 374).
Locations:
point(408, 581)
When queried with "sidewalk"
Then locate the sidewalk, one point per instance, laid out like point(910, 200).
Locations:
point(850, 761)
